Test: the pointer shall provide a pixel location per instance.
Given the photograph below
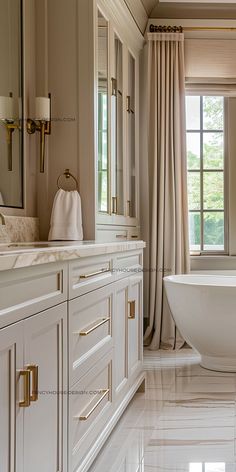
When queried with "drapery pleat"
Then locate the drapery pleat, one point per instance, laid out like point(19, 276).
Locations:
point(169, 244)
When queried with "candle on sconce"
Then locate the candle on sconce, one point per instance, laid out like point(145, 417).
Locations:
point(42, 109)
point(8, 109)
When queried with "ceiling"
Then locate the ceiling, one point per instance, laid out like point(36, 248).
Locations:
point(141, 10)
point(190, 9)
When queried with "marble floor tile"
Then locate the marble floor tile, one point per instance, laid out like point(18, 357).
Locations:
point(184, 422)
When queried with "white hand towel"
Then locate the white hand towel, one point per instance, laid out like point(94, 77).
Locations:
point(66, 218)
point(1, 200)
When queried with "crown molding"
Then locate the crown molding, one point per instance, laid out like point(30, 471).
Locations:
point(121, 16)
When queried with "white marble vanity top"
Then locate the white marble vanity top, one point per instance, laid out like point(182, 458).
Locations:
point(18, 255)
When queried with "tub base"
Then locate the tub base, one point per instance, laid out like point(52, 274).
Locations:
point(219, 364)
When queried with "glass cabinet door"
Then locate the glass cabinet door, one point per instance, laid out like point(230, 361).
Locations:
point(102, 118)
point(131, 202)
point(117, 132)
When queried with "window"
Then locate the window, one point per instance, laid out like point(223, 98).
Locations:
point(206, 177)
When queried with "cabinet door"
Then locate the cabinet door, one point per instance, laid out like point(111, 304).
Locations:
point(117, 134)
point(103, 180)
point(45, 420)
point(11, 424)
point(135, 321)
point(121, 336)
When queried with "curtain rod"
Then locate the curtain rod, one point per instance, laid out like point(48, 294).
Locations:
point(181, 29)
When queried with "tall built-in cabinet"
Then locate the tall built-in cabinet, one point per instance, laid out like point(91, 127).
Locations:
point(109, 45)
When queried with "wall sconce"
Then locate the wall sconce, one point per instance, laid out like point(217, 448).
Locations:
point(42, 123)
point(9, 115)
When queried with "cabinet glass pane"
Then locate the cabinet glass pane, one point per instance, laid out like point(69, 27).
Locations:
point(103, 162)
point(131, 203)
point(117, 131)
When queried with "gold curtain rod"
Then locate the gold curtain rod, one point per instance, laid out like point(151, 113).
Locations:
point(180, 29)
point(208, 28)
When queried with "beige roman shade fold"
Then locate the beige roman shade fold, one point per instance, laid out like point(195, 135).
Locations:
point(210, 58)
point(210, 86)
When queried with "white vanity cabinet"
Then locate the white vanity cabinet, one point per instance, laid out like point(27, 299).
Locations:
point(128, 331)
point(32, 411)
point(68, 370)
point(11, 423)
point(45, 353)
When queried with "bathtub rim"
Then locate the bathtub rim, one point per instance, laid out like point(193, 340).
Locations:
point(201, 280)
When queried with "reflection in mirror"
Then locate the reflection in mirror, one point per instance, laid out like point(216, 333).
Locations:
point(103, 162)
point(11, 99)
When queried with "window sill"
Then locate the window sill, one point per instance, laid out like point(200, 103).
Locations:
point(214, 262)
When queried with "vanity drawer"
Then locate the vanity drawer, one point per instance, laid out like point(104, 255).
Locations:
point(25, 292)
point(111, 234)
point(128, 264)
point(85, 276)
point(89, 410)
point(90, 330)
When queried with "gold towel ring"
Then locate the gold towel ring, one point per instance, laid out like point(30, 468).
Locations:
point(67, 175)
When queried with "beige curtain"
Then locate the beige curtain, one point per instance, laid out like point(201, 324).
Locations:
point(169, 247)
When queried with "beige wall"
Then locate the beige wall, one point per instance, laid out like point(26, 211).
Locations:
point(56, 70)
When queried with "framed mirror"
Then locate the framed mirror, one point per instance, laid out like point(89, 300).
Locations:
point(11, 104)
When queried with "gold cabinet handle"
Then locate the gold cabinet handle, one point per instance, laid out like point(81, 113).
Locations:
point(129, 207)
point(131, 305)
point(121, 236)
point(113, 87)
point(114, 205)
point(84, 417)
point(26, 375)
point(90, 329)
point(92, 274)
point(34, 370)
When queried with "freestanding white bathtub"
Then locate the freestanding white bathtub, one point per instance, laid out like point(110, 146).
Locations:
point(204, 309)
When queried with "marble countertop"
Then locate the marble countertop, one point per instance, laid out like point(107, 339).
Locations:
point(14, 256)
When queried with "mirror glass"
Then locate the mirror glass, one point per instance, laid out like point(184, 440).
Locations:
point(103, 161)
point(11, 104)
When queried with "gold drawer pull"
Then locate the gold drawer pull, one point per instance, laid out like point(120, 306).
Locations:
point(26, 401)
point(129, 207)
point(35, 375)
point(90, 329)
point(114, 205)
point(121, 236)
point(92, 274)
point(104, 394)
point(131, 304)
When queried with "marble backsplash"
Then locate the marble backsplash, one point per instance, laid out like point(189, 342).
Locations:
point(19, 229)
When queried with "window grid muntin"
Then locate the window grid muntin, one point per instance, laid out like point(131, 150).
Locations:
point(201, 170)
